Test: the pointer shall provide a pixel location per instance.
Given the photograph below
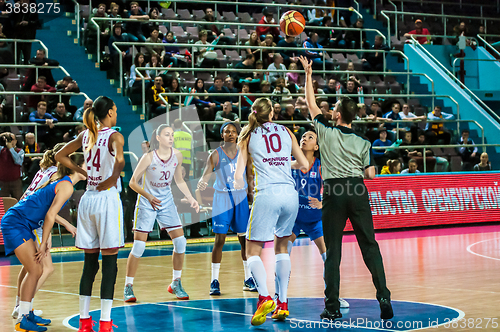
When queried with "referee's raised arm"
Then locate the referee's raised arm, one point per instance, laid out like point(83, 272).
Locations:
point(346, 160)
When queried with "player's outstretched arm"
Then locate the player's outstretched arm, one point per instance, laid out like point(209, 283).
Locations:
point(138, 173)
point(63, 155)
point(310, 98)
point(241, 163)
point(181, 184)
point(300, 161)
point(116, 142)
point(207, 172)
point(66, 224)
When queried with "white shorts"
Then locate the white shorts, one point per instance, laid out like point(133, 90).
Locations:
point(100, 220)
point(274, 211)
point(38, 235)
point(167, 217)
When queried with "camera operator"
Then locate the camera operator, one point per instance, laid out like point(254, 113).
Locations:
point(11, 160)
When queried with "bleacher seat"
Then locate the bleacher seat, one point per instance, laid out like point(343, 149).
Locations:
point(245, 17)
point(198, 14)
point(168, 14)
point(184, 14)
point(192, 32)
point(229, 17)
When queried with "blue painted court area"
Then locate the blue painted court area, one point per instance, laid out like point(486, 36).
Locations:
point(235, 315)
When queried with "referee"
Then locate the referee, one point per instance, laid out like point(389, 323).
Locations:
point(346, 160)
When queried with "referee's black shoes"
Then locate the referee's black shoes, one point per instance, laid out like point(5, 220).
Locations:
point(386, 309)
point(330, 315)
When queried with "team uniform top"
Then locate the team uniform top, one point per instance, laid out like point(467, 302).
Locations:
point(157, 179)
point(41, 177)
point(100, 159)
point(308, 184)
point(34, 207)
point(224, 170)
point(270, 147)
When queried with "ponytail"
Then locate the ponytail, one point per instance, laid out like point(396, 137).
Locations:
point(391, 164)
point(49, 157)
point(259, 115)
point(154, 144)
point(62, 171)
point(94, 114)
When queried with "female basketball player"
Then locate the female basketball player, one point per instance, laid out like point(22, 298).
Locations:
point(18, 224)
point(47, 169)
point(157, 169)
point(230, 206)
point(100, 224)
point(275, 203)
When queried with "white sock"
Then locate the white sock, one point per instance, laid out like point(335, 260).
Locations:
point(247, 270)
point(215, 271)
point(259, 274)
point(177, 274)
point(323, 256)
point(289, 247)
point(106, 310)
point(31, 304)
point(276, 284)
point(84, 306)
point(17, 300)
point(24, 308)
point(129, 280)
point(283, 268)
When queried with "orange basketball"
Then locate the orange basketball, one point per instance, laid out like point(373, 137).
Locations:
point(292, 23)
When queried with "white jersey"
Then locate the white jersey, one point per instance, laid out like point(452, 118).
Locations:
point(41, 177)
point(270, 148)
point(157, 180)
point(100, 159)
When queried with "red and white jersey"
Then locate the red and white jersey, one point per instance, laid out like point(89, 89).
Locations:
point(157, 179)
point(100, 159)
point(41, 177)
point(270, 148)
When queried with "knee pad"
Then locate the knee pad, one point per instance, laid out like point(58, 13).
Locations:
point(179, 244)
point(90, 268)
point(138, 248)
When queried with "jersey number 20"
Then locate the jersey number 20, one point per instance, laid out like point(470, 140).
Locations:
point(270, 143)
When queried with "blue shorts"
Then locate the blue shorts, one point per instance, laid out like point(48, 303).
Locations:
point(230, 211)
point(314, 229)
point(15, 232)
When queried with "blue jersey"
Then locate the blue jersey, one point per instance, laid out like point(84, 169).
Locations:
point(34, 207)
point(224, 170)
point(308, 184)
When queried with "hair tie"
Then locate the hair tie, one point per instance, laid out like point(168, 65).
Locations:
point(254, 111)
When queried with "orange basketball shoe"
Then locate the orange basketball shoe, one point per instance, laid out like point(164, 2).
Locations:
point(264, 306)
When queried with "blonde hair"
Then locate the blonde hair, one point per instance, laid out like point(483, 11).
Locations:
point(49, 157)
point(63, 171)
point(259, 115)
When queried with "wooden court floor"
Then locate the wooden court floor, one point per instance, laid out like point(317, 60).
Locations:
point(456, 267)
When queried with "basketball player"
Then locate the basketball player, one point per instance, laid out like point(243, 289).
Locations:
point(156, 170)
point(18, 224)
point(100, 224)
point(275, 203)
point(47, 169)
point(230, 206)
point(310, 186)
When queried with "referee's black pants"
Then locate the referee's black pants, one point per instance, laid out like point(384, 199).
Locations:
point(342, 199)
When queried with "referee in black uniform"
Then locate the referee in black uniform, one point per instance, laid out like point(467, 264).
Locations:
point(345, 160)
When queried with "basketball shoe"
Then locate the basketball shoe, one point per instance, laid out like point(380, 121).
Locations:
point(86, 325)
point(176, 288)
point(281, 312)
point(128, 293)
point(264, 306)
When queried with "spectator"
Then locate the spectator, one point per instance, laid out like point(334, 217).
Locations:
point(375, 109)
point(202, 101)
point(326, 110)
point(229, 84)
point(113, 12)
point(61, 115)
point(5, 111)
point(225, 115)
point(435, 131)
point(134, 29)
point(352, 37)
point(67, 84)
point(254, 41)
point(375, 60)
point(362, 128)
point(205, 58)
point(118, 36)
point(292, 78)
point(11, 160)
point(5, 19)
point(74, 132)
point(41, 116)
point(392, 167)
point(25, 24)
point(40, 86)
point(462, 30)
point(175, 100)
point(244, 76)
point(183, 143)
point(351, 90)
point(291, 115)
point(154, 62)
point(90, 35)
point(469, 154)
point(406, 154)
point(351, 76)
point(221, 99)
point(246, 101)
point(156, 105)
point(277, 112)
point(147, 28)
point(333, 87)
point(213, 30)
point(31, 164)
point(393, 115)
point(419, 31)
point(280, 93)
point(31, 146)
point(276, 65)
point(265, 87)
point(432, 161)
point(410, 117)
point(41, 61)
point(79, 112)
point(379, 155)
point(158, 50)
point(171, 50)
point(268, 53)
point(263, 31)
point(316, 56)
point(289, 56)
point(258, 76)
point(412, 168)
point(484, 165)
point(135, 81)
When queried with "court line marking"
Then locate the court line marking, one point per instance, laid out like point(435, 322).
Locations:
point(484, 256)
point(461, 314)
point(58, 292)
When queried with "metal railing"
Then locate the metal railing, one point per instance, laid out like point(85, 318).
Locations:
point(237, 35)
point(29, 93)
point(77, 19)
point(35, 126)
point(465, 88)
point(488, 44)
point(37, 68)
point(25, 41)
point(465, 59)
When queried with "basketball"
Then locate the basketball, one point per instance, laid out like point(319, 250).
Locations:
point(292, 23)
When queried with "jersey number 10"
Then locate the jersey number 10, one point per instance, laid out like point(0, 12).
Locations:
point(270, 143)
point(96, 162)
